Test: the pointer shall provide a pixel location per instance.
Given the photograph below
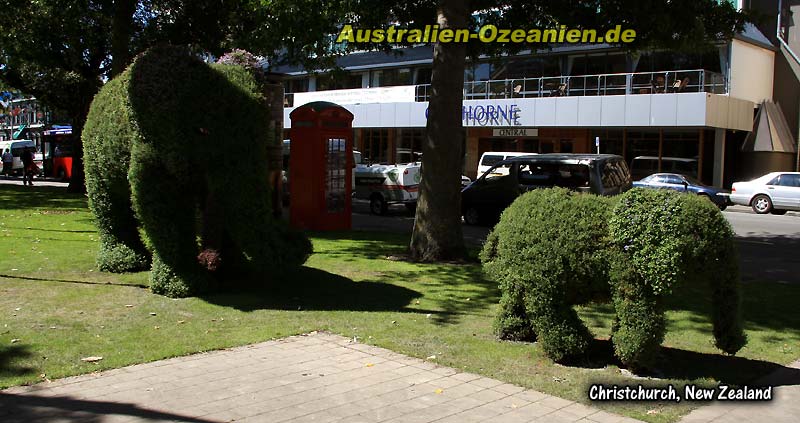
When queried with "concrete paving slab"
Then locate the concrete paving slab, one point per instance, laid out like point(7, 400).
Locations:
point(300, 379)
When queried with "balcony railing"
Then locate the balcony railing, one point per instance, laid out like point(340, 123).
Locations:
point(680, 81)
point(584, 85)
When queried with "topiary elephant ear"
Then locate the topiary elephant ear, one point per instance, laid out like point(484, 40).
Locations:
point(647, 227)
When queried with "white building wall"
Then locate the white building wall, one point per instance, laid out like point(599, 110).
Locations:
point(640, 111)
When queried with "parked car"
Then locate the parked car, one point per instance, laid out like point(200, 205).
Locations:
point(483, 200)
point(685, 183)
point(641, 166)
point(774, 193)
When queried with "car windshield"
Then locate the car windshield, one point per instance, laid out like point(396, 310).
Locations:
point(491, 160)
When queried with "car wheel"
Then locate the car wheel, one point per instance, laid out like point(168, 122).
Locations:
point(472, 216)
point(377, 205)
point(778, 212)
point(722, 207)
point(62, 175)
point(411, 208)
point(762, 204)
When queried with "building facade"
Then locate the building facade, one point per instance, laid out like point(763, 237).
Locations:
point(571, 98)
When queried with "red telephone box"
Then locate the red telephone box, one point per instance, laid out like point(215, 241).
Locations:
point(321, 167)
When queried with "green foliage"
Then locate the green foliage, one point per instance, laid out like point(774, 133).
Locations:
point(554, 249)
point(663, 238)
point(549, 252)
point(107, 141)
point(184, 145)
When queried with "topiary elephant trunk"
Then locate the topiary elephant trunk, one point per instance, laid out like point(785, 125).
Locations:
point(554, 249)
point(178, 148)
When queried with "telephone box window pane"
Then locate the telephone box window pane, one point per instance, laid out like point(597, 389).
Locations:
point(335, 171)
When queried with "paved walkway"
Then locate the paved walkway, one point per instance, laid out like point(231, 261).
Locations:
point(784, 408)
point(315, 378)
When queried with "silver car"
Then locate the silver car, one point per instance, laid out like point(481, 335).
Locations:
point(774, 193)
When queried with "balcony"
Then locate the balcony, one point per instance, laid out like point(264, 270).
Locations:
point(591, 85)
point(680, 81)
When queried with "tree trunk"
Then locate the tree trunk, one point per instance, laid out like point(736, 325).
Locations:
point(121, 35)
point(437, 227)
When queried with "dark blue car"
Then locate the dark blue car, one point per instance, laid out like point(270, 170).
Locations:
point(684, 183)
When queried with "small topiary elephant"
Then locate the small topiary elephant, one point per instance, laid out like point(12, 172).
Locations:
point(554, 249)
point(178, 148)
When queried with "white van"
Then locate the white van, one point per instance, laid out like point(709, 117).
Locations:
point(490, 158)
point(17, 147)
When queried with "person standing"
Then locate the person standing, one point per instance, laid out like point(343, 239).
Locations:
point(27, 166)
point(8, 162)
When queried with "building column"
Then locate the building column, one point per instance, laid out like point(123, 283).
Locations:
point(700, 149)
point(719, 157)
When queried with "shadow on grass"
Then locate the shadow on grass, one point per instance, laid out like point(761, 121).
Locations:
point(51, 230)
point(314, 289)
point(9, 355)
point(40, 197)
point(765, 305)
point(32, 408)
point(79, 282)
point(674, 363)
point(769, 258)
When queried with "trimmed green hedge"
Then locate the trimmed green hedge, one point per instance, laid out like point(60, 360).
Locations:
point(193, 167)
point(107, 139)
point(553, 249)
point(549, 252)
point(664, 238)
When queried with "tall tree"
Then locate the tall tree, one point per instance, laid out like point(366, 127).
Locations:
point(62, 51)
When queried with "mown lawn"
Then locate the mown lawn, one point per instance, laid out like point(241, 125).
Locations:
point(56, 308)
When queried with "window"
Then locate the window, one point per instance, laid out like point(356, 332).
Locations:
point(338, 81)
point(409, 147)
point(672, 179)
point(616, 174)
point(375, 145)
point(335, 171)
point(789, 180)
point(391, 77)
point(491, 160)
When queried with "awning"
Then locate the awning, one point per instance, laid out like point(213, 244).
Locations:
point(18, 133)
point(770, 132)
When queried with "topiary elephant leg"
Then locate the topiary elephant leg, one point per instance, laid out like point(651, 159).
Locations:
point(726, 302)
point(167, 211)
point(512, 321)
point(121, 247)
point(640, 321)
point(560, 332)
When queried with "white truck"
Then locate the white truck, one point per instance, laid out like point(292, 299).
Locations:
point(385, 184)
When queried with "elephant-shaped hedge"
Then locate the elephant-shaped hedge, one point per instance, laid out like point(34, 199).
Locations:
point(554, 248)
point(177, 174)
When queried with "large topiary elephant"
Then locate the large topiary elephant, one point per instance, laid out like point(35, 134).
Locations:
point(178, 148)
point(554, 249)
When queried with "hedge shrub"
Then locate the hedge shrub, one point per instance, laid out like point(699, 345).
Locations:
point(553, 249)
point(549, 252)
point(107, 139)
point(195, 150)
point(663, 238)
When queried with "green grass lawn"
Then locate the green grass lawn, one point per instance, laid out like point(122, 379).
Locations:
point(58, 308)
